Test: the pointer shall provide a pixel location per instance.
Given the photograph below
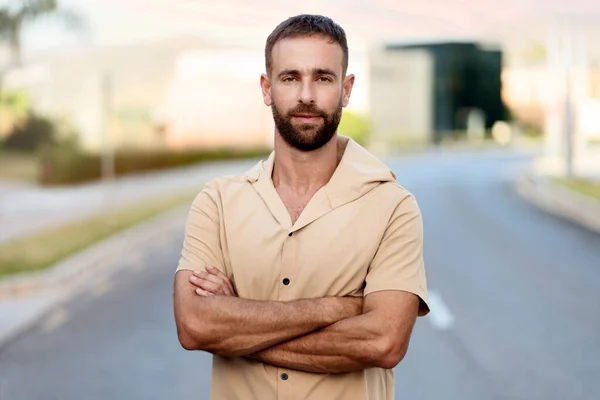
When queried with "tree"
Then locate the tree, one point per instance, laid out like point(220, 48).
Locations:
point(16, 15)
point(32, 135)
point(14, 109)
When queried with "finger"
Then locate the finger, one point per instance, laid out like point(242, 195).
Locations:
point(206, 284)
point(194, 280)
point(203, 292)
point(217, 272)
point(210, 286)
point(224, 287)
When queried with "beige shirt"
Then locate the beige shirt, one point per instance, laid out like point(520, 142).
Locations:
point(360, 233)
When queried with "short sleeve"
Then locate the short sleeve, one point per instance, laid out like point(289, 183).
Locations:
point(201, 243)
point(398, 263)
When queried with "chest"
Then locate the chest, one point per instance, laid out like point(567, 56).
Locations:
point(294, 204)
point(328, 257)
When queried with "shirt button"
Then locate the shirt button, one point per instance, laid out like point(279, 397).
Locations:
point(286, 281)
point(284, 376)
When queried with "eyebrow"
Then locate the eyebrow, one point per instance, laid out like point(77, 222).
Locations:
point(315, 71)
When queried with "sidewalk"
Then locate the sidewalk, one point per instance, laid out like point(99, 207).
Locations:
point(25, 300)
point(560, 201)
point(27, 209)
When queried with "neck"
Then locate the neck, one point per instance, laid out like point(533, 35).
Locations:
point(304, 172)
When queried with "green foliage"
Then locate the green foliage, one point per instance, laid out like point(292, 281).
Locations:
point(61, 165)
point(15, 103)
point(17, 14)
point(26, 131)
point(14, 109)
point(32, 135)
point(44, 249)
point(585, 186)
point(355, 126)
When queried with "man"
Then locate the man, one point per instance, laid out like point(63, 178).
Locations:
point(308, 268)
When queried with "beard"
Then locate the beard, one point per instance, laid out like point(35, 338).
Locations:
point(307, 137)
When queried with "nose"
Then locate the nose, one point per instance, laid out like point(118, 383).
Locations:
point(307, 93)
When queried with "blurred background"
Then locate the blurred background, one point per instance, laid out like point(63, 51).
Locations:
point(114, 113)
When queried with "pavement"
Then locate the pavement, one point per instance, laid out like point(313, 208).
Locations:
point(560, 201)
point(26, 209)
point(25, 299)
point(515, 292)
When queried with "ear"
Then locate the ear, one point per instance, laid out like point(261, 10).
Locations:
point(265, 85)
point(347, 89)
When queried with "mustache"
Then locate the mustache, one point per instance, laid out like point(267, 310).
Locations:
point(307, 109)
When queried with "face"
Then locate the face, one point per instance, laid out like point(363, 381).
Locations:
point(306, 90)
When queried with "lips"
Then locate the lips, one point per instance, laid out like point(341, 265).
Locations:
point(306, 115)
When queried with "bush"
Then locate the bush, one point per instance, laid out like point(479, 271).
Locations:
point(58, 165)
point(355, 126)
point(31, 135)
point(14, 110)
point(61, 165)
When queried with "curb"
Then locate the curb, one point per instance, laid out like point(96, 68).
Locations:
point(562, 202)
point(39, 293)
point(96, 256)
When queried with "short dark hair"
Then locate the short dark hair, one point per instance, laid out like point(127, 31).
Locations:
point(307, 25)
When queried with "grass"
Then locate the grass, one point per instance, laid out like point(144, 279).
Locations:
point(45, 249)
point(18, 166)
point(588, 187)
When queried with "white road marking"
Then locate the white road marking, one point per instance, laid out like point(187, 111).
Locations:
point(55, 320)
point(440, 315)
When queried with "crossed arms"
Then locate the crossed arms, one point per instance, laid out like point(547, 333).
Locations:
point(327, 335)
point(323, 335)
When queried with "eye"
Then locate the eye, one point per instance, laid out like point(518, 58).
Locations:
point(324, 79)
point(288, 79)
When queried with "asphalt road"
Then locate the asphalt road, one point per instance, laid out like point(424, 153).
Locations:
point(516, 297)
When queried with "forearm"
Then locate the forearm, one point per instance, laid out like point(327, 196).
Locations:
point(289, 358)
point(233, 326)
point(248, 325)
point(352, 344)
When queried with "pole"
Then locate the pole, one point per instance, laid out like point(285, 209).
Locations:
point(568, 58)
point(108, 159)
point(568, 126)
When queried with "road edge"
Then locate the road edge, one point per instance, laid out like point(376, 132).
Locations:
point(71, 276)
point(560, 201)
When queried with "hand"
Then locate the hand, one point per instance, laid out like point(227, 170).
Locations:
point(212, 282)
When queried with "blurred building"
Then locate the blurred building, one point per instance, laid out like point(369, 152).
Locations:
point(422, 93)
point(571, 99)
point(214, 99)
point(181, 92)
